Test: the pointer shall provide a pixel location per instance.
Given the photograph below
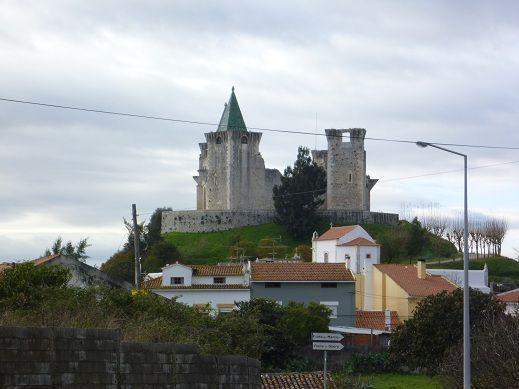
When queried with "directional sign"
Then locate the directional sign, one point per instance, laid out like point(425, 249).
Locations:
point(327, 336)
point(327, 346)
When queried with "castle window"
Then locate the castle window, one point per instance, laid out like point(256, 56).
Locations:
point(368, 256)
point(218, 140)
point(244, 140)
point(219, 280)
point(272, 285)
point(349, 177)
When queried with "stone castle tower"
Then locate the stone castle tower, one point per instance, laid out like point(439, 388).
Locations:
point(232, 174)
point(348, 187)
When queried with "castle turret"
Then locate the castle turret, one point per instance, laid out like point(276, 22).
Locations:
point(232, 173)
point(347, 184)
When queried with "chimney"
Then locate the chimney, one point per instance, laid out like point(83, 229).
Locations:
point(387, 319)
point(421, 269)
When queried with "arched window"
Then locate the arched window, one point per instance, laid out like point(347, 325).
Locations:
point(244, 140)
point(325, 257)
point(218, 140)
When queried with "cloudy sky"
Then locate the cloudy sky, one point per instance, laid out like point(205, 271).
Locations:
point(437, 71)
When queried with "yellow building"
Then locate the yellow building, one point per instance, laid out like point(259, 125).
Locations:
point(400, 287)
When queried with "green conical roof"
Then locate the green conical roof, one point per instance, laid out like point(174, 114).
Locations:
point(232, 119)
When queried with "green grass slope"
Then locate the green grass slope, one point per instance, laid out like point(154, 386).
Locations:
point(211, 247)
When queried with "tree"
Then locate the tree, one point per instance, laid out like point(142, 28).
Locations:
point(300, 194)
point(494, 355)
point(304, 252)
point(77, 251)
point(122, 263)
point(287, 328)
point(437, 325)
point(21, 285)
point(417, 238)
point(161, 253)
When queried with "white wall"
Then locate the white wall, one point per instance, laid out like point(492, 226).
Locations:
point(358, 232)
point(213, 297)
point(177, 270)
point(197, 280)
point(478, 279)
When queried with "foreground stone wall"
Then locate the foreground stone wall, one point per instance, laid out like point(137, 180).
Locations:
point(209, 221)
point(96, 358)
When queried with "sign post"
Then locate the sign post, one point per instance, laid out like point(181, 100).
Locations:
point(326, 341)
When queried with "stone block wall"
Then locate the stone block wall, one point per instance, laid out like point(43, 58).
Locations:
point(48, 358)
point(209, 221)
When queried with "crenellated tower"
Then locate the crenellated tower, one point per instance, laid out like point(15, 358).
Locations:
point(232, 174)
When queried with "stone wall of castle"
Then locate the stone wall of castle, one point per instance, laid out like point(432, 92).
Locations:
point(232, 173)
point(208, 221)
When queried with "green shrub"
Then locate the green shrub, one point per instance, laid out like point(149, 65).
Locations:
point(367, 363)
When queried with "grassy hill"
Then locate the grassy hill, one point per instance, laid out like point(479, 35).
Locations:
point(211, 247)
point(500, 269)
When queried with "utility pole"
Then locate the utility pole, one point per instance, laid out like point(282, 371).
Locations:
point(136, 247)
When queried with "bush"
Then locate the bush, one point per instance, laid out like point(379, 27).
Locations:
point(367, 363)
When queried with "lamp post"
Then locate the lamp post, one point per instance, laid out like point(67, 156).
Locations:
point(466, 318)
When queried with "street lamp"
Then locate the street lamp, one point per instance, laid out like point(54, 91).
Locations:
point(466, 322)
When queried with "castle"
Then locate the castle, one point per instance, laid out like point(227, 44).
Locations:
point(232, 174)
point(233, 187)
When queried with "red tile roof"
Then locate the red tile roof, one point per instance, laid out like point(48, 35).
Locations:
point(335, 233)
point(360, 242)
point(299, 271)
point(512, 296)
point(296, 381)
point(5, 265)
point(156, 283)
point(406, 276)
point(217, 270)
point(44, 259)
point(375, 320)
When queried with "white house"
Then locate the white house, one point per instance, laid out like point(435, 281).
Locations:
point(217, 287)
point(478, 279)
point(511, 299)
point(353, 246)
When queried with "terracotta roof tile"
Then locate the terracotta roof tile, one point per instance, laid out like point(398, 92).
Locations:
point(406, 276)
point(359, 242)
point(375, 319)
point(5, 265)
point(217, 270)
point(44, 259)
point(336, 232)
point(296, 381)
point(156, 283)
point(299, 271)
point(512, 296)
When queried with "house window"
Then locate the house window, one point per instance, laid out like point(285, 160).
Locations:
point(177, 280)
point(368, 256)
point(325, 257)
point(332, 306)
point(219, 280)
point(244, 140)
point(328, 284)
point(219, 140)
point(272, 284)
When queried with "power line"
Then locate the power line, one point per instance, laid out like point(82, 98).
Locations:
point(161, 118)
